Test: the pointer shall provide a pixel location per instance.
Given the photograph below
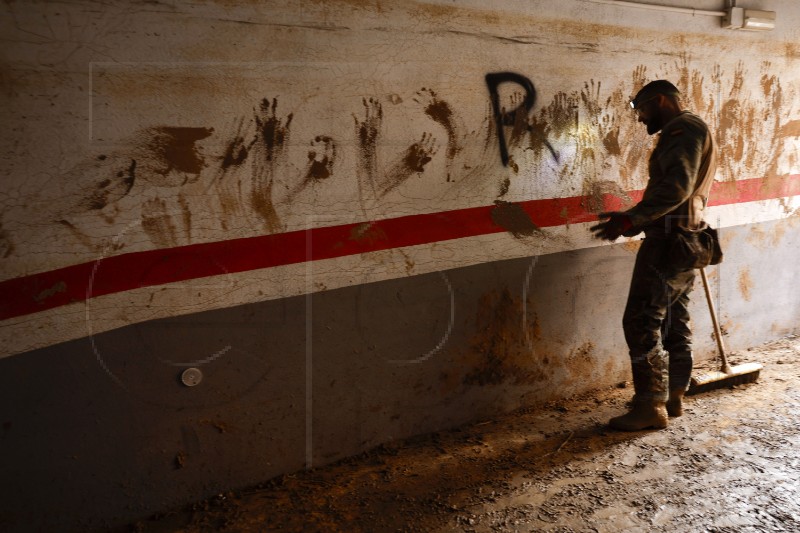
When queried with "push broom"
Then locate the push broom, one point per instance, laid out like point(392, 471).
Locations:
point(728, 375)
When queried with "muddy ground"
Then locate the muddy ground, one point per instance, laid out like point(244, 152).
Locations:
point(730, 464)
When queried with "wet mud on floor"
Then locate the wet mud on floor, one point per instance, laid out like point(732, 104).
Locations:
point(730, 464)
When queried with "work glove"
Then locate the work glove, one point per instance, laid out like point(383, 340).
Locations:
point(615, 225)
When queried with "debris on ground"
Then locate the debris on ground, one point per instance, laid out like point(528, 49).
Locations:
point(731, 463)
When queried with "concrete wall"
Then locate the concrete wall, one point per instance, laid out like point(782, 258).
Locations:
point(308, 203)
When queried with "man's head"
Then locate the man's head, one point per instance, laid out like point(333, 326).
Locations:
point(656, 103)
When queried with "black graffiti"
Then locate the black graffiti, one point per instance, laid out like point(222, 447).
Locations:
point(508, 118)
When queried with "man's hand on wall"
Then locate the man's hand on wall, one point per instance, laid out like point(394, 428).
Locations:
point(615, 225)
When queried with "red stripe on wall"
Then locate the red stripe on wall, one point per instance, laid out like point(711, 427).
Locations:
point(55, 288)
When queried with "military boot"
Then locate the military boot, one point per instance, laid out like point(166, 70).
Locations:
point(675, 402)
point(643, 415)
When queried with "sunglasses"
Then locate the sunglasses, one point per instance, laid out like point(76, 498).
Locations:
point(637, 106)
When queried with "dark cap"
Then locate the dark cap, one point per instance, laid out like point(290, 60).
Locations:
point(653, 88)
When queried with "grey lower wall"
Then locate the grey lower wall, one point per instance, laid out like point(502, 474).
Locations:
point(100, 431)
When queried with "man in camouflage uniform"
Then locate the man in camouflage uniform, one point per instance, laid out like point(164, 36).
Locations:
point(656, 320)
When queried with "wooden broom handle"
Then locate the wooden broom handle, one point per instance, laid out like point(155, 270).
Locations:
point(717, 332)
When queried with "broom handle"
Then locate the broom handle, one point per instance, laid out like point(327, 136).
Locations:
point(717, 332)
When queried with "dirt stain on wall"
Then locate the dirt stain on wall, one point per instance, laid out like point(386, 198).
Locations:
point(170, 154)
point(442, 113)
point(158, 223)
point(595, 193)
point(367, 232)
point(750, 129)
point(231, 180)
point(595, 124)
point(595, 128)
point(272, 137)
point(50, 292)
point(321, 158)
point(367, 131)
point(611, 143)
point(500, 344)
point(186, 216)
point(557, 118)
point(514, 219)
point(745, 284)
point(691, 84)
point(375, 181)
point(766, 240)
point(477, 159)
point(110, 190)
point(582, 363)
point(95, 185)
point(236, 150)
point(605, 137)
point(791, 129)
point(413, 161)
point(80, 236)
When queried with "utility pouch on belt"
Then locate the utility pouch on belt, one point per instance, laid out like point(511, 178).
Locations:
point(690, 249)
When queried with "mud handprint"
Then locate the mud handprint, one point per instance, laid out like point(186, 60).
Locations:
point(236, 149)
point(414, 160)
point(272, 136)
point(231, 174)
point(158, 223)
point(321, 158)
point(442, 113)
point(367, 132)
point(590, 96)
point(420, 153)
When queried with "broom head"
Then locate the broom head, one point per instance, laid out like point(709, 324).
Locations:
point(739, 375)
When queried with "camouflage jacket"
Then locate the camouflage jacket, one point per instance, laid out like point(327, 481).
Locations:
point(681, 171)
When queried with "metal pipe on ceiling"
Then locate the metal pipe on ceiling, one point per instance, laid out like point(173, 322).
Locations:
point(659, 7)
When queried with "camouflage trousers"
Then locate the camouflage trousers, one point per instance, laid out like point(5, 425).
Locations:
point(656, 323)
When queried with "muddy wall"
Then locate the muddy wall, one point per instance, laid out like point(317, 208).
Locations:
point(317, 206)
